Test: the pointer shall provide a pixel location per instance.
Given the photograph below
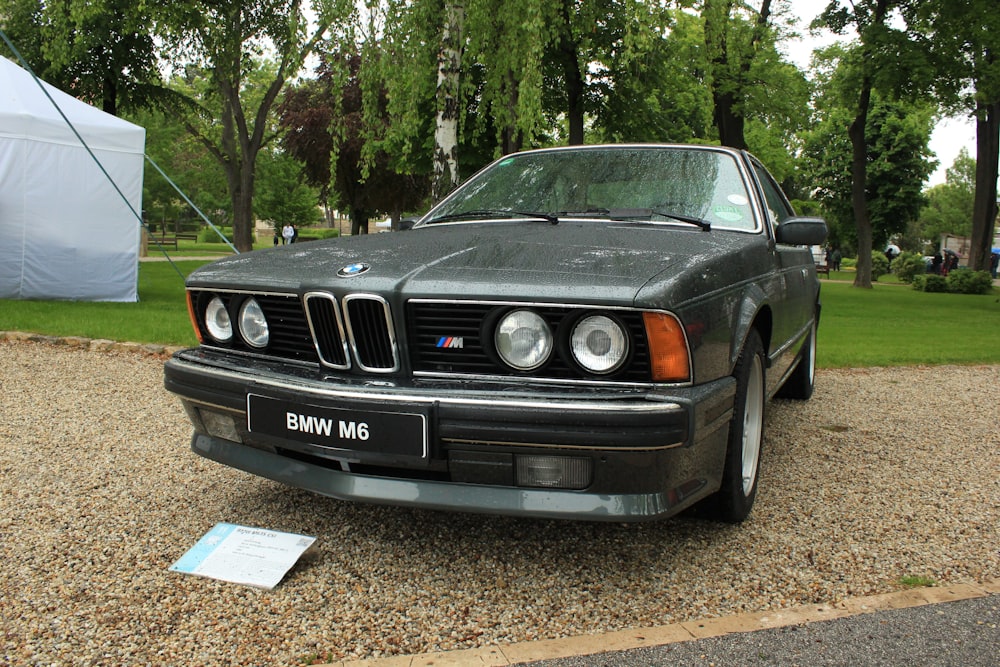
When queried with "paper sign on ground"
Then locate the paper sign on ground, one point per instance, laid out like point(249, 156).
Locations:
point(243, 555)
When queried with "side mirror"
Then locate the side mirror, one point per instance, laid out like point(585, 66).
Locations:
point(407, 223)
point(801, 231)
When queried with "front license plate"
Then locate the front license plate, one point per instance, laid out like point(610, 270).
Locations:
point(381, 433)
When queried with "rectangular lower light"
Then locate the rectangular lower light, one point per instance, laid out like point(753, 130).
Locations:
point(220, 425)
point(554, 472)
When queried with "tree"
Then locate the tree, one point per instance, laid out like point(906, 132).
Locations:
point(282, 195)
point(950, 204)
point(897, 162)
point(447, 97)
point(507, 42)
point(188, 164)
point(963, 37)
point(653, 90)
point(325, 124)
point(103, 53)
point(306, 116)
point(730, 57)
point(225, 38)
point(576, 46)
point(886, 60)
point(536, 72)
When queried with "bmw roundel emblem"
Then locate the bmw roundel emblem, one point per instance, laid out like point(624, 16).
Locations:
point(352, 270)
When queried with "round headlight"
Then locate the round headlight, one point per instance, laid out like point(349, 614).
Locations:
point(599, 344)
point(253, 325)
point(523, 340)
point(217, 321)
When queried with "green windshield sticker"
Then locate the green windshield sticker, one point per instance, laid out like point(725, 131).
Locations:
point(506, 162)
point(727, 213)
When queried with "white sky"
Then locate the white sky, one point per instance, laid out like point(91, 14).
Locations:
point(950, 135)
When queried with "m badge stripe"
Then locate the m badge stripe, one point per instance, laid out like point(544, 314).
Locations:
point(451, 342)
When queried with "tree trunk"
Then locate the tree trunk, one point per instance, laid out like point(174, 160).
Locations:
point(511, 138)
point(728, 122)
point(859, 165)
point(574, 107)
point(239, 168)
point(859, 186)
point(984, 207)
point(359, 221)
point(575, 85)
point(448, 94)
point(109, 103)
point(240, 176)
point(730, 73)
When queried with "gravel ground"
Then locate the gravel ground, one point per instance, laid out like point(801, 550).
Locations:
point(885, 473)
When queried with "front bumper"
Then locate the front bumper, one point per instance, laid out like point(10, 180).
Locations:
point(648, 452)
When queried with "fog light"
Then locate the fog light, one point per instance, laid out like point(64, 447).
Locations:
point(220, 425)
point(553, 472)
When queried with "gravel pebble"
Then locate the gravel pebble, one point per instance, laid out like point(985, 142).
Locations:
point(885, 473)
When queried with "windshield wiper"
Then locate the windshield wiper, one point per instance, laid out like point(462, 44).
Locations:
point(494, 213)
point(629, 214)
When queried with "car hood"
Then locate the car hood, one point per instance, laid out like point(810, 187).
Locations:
point(579, 261)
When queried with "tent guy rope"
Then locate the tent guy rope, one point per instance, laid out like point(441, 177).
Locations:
point(69, 124)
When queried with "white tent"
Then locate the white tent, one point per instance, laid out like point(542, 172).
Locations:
point(65, 233)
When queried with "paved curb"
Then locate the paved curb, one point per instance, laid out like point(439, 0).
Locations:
point(511, 654)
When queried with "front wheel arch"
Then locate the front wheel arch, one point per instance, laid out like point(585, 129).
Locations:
point(741, 470)
point(754, 315)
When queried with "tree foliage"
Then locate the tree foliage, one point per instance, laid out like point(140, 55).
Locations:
point(535, 72)
point(888, 61)
point(963, 41)
point(283, 196)
point(898, 161)
point(226, 41)
point(734, 37)
point(104, 52)
point(652, 90)
point(325, 128)
point(949, 204)
point(191, 168)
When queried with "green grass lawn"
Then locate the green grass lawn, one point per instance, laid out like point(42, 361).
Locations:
point(160, 316)
point(890, 325)
point(186, 248)
point(894, 325)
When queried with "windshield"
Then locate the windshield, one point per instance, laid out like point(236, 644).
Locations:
point(650, 183)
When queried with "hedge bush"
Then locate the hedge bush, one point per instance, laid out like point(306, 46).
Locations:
point(961, 281)
point(930, 282)
point(209, 235)
point(880, 265)
point(316, 234)
point(964, 281)
point(909, 265)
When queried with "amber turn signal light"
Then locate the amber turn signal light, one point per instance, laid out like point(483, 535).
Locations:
point(668, 349)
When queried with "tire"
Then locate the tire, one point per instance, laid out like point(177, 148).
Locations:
point(802, 381)
point(734, 500)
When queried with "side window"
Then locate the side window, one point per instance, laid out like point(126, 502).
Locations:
point(777, 208)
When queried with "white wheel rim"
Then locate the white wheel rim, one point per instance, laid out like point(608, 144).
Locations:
point(753, 426)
